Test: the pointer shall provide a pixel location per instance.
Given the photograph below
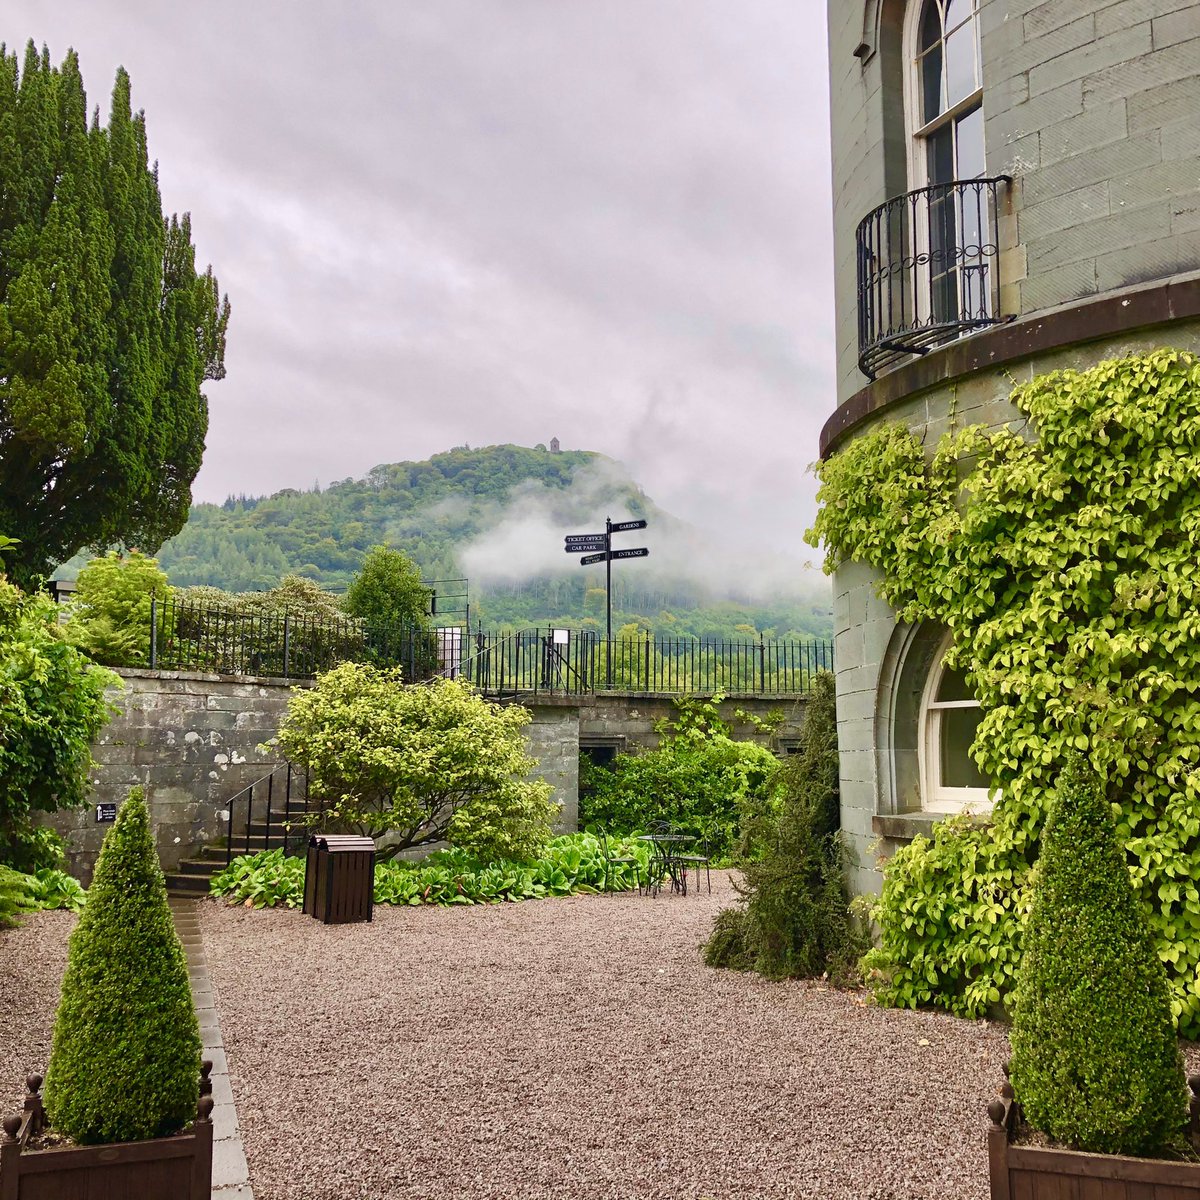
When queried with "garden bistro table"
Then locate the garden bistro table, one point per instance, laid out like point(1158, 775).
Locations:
point(664, 863)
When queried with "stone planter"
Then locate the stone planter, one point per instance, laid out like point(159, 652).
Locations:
point(169, 1168)
point(1020, 1172)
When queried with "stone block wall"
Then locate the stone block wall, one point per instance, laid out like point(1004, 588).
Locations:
point(1090, 105)
point(553, 739)
point(192, 741)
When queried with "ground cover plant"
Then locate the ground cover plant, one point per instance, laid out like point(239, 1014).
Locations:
point(571, 864)
point(1065, 565)
point(699, 777)
point(125, 1060)
point(414, 765)
point(1095, 1060)
point(45, 888)
point(792, 917)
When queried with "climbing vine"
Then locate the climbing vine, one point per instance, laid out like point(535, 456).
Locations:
point(1066, 564)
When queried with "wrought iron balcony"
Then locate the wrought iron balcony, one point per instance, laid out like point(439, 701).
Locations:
point(928, 270)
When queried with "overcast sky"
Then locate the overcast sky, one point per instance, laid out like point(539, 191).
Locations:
point(479, 221)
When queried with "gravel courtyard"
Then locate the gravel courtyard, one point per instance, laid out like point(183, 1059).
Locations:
point(578, 1048)
point(558, 1048)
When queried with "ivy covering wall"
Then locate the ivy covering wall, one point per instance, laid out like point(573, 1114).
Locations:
point(1064, 557)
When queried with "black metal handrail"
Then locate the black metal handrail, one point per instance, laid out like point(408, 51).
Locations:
point(261, 797)
point(928, 270)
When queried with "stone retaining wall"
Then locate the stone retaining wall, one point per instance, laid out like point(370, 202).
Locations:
point(193, 742)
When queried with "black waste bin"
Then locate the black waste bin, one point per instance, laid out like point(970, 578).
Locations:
point(339, 878)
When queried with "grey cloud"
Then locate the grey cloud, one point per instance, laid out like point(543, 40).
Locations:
point(499, 220)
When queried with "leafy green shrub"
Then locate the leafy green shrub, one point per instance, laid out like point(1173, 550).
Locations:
point(387, 590)
point(1095, 1062)
point(1065, 569)
point(792, 918)
point(110, 611)
point(421, 764)
point(570, 864)
point(31, 848)
point(699, 778)
point(125, 1060)
point(52, 708)
point(243, 632)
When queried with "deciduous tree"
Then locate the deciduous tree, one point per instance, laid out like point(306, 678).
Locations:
point(418, 763)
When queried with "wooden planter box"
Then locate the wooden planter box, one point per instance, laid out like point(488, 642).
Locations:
point(170, 1168)
point(1040, 1173)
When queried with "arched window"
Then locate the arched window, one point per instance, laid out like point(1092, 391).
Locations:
point(944, 109)
point(950, 716)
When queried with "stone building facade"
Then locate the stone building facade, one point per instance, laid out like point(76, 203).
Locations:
point(1016, 189)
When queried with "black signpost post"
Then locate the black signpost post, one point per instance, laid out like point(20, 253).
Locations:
point(585, 543)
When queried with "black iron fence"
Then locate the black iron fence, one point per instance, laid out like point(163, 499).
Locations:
point(190, 636)
point(187, 635)
point(927, 270)
point(579, 662)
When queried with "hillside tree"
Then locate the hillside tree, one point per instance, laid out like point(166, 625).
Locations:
point(107, 331)
point(387, 591)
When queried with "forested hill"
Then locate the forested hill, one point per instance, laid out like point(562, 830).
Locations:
point(495, 514)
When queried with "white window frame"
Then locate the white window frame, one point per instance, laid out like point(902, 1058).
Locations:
point(918, 135)
point(935, 796)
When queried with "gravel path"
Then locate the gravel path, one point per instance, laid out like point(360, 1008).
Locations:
point(33, 958)
point(579, 1048)
point(561, 1048)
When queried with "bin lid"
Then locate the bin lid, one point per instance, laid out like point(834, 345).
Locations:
point(341, 843)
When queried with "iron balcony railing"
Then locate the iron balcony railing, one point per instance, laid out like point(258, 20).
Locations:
point(190, 636)
point(928, 270)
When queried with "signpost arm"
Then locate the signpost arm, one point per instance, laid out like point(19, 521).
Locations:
point(608, 597)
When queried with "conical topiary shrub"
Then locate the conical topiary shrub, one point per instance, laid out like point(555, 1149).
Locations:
point(1095, 1062)
point(125, 1060)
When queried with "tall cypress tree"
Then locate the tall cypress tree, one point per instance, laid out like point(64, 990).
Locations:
point(107, 331)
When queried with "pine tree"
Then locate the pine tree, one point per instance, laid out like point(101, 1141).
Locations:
point(792, 918)
point(125, 1060)
point(107, 332)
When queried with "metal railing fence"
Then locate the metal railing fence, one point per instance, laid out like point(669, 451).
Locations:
point(191, 636)
point(187, 635)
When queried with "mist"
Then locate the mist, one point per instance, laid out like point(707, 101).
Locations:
point(524, 542)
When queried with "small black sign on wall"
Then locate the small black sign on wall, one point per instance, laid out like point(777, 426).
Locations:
point(106, 812)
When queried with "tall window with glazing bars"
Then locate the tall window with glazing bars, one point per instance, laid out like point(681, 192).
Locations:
point(926, 259)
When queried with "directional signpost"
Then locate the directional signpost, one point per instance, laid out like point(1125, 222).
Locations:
point(585, 544)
